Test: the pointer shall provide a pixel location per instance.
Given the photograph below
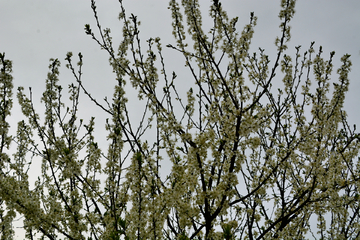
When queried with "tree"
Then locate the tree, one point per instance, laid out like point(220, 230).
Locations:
point(249, 160)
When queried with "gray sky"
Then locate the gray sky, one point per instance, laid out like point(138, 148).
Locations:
point(33, 31)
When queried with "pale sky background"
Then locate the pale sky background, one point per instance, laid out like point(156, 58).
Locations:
point(33, 31)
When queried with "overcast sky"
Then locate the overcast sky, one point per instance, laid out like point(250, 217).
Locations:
point(33, 31)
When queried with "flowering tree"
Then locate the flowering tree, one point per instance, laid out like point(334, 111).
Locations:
point(248, 158)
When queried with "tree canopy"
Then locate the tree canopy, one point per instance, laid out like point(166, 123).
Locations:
point(256, 148)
